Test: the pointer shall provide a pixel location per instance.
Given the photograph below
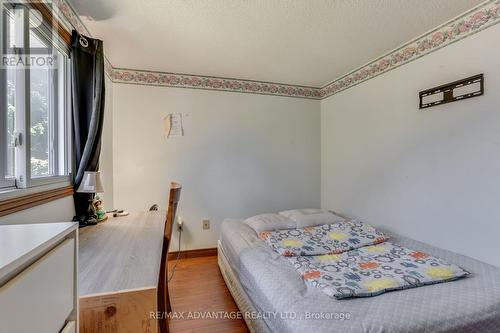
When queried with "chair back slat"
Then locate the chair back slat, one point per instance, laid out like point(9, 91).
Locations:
point(174, 197)
point(164, 306)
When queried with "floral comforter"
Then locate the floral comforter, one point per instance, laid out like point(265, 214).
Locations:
point(353, 259)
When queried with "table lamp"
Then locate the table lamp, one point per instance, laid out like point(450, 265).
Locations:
point(92, 184)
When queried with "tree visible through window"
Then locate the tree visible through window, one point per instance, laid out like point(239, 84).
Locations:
point(39, 123)
point(11, 124)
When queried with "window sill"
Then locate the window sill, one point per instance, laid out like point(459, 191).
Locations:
point(12, 201)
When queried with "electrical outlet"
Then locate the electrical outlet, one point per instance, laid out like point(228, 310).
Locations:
point(180, 223)
point(206, 224)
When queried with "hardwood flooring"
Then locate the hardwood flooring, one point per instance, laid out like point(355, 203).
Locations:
point(197, 289)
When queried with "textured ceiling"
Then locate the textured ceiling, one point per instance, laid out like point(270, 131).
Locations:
point(306, 42)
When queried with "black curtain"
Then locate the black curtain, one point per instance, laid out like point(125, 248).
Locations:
point(87, 58)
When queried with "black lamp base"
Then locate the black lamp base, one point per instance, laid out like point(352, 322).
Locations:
point(84, 221)
point(89, 218)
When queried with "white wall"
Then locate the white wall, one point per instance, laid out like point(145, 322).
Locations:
point(61, 210)
point(433, 175)
point(242, 154)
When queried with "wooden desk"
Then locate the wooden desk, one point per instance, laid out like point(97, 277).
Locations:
point(119, 263)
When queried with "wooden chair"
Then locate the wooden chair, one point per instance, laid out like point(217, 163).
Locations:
point(163, 298)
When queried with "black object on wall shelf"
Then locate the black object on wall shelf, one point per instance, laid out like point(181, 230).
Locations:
point(462, 89)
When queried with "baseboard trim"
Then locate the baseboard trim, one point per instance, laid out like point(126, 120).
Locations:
point(187, 254)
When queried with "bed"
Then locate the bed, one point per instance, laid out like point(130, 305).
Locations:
point(273, 297)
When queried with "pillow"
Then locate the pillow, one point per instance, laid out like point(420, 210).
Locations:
point(269, 222)
point(311, 217)
point(324, 239)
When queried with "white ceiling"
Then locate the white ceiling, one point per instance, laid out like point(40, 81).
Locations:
point(306, 42)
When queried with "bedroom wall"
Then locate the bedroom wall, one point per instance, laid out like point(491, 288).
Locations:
point(432, 175)
point(242, 154)
point(61, 210)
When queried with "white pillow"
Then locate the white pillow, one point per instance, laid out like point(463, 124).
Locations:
point(311, 217)
point(269, 222)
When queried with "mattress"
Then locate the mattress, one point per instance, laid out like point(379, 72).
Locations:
point(287, 304)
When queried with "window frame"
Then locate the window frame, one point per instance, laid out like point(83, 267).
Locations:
point(5, 182)
point(60, 120)
point(60, 156)
point(13, 199)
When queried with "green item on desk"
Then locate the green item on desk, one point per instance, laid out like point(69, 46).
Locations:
point(100, 212)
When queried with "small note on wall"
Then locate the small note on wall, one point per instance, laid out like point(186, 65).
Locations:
point(172, 125)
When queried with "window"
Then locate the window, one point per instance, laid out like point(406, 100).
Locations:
point(34, 89)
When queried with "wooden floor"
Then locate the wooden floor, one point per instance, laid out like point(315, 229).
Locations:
point(197, 289)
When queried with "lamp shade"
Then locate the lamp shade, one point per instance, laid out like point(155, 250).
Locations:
point(91, 183)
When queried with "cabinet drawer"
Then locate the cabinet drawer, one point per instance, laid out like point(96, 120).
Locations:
point(41, 297)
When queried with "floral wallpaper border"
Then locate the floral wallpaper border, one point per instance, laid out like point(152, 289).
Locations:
point(69, 16)
point(212, 83)
point(479, 18)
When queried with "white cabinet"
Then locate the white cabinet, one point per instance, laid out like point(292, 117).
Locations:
point(42, 296)
point(70, 327)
